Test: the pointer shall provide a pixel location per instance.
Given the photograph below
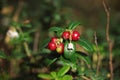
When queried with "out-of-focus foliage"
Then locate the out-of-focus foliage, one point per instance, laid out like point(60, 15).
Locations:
point(25, 57)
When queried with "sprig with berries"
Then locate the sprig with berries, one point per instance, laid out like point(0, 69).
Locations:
point(65, 40)
point(63, 43)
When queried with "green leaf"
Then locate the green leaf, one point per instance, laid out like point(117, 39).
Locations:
point(45, 76)
point(15, 24)
point(69, 54)
point(74, 67)
point(53, 74)
point(72, 64)
point(67, 77)
point(64, 70)
point(84, 58)
point(16, 53)
point(55, 29)
point(27, 25)
point(85, 44)
point(59, 33)
point(2, 55)
point(60, 78)
point(73, 25)
point(58, 30)
point(52, 61)
point(45, 43)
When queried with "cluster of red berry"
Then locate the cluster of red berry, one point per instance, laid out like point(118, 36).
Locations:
point(57, 43)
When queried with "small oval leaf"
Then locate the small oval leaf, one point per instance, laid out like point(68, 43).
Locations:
point(67, 77)
point(53, 74)
point(2, 55)
point(85, 58)
point(52, 61)
point(55, 29)
point(85, 44)
point(63, 71)
point(45, 76)
point(73, 25)
point(45, 43)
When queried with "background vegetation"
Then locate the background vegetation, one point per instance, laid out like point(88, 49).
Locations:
point(24, 58)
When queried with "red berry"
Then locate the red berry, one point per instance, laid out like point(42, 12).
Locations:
point(60, 48)
point(51, 46)
point(75, 35)
point(66, 34)
point(53, 39)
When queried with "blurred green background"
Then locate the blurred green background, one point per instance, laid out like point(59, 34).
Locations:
point(40, 15)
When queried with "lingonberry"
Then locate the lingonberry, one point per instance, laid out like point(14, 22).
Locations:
point(75, 35)
point(66, 34)
point(53, 39)
point(51, 46)
point(60, 48)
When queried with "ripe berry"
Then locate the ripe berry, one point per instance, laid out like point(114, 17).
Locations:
point(75, 35)
point(53, 39)
point(51, 46)
point(66, 34)
point(60, 48)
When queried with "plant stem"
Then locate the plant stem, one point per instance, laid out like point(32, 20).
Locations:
point(25, 44)
point(109, 41)
point(17, 13)
point(98, 54)
point(14, 63)
point(16, 18)
point(85, 78)
point(36, 40)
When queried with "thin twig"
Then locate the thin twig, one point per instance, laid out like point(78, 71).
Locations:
point(98, 54)
point(110, 42)
point(107, 10)
point(17, 13)
point(36, 41)
point(14, 64)
point(85, 78)
point(16, 18)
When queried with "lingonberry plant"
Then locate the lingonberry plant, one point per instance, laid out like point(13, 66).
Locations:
point(63, 44)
